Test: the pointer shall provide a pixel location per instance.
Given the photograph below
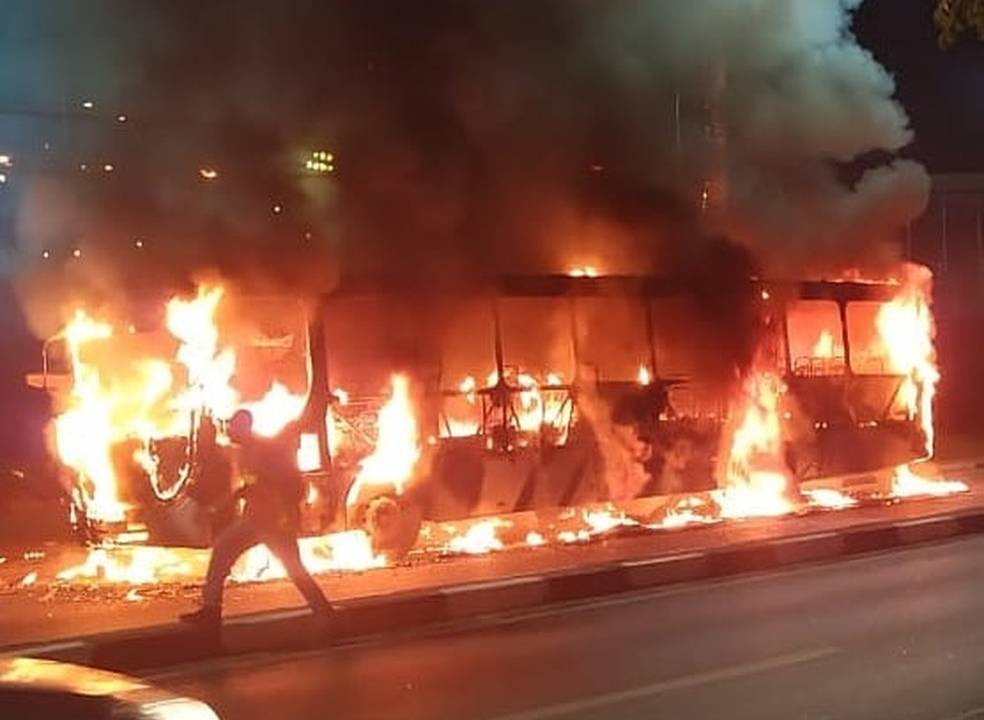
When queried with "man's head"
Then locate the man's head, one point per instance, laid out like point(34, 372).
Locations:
point(240, 428)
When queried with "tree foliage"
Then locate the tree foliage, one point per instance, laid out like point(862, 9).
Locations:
point(955, 17)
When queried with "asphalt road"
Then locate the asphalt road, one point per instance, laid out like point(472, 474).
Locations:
point(896, 635)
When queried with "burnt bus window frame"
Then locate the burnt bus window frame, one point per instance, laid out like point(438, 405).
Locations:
point(884, 359)
point(55, 358)
point(503, 396)
point(862, 387)
point(583, 330)
point(646, 288)
point(792, 359)
point(302, 327)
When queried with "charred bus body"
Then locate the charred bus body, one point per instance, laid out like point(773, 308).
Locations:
point(546, 392)
point(628, 395)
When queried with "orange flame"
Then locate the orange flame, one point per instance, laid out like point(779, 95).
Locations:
point(275, 410)
point(824, 347)
point(397, 447)
point(142, 398)
point(463, 420)
point(84, 433)
point(906, 328)
point(135, 566)
point(605, 519)
point(480, 538)
point(141, 565)
point(756, 478)
point(689, 510)
point(541, 408)
point(906, 483)
point(580, 271)
point(309, 457)
point(209, 370)
point(538, 405)
point(349, 550)
point(829, 498)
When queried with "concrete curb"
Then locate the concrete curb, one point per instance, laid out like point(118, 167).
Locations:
point(160, 646)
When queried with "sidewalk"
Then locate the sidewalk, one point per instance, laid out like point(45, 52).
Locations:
point(122, 628)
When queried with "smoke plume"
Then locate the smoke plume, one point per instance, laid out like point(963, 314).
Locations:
point(468, 138)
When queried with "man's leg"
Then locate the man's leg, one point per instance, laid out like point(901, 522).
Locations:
point(283, 545)
point(232, 542)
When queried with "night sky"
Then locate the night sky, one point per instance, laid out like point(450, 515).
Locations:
point(942, 91)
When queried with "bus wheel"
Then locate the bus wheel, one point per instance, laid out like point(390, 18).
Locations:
point(392, 525)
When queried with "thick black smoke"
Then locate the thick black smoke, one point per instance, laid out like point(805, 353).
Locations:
point(469, 138)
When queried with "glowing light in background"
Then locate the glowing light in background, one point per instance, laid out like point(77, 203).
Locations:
point(321, 162)
point(583, 271)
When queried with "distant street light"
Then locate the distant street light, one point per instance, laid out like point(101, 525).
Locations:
point(208, 173)
point(321, 162)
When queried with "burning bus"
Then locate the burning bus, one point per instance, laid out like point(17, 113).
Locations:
point(415, 406)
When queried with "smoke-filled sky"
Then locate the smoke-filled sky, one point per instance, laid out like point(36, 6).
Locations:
point(471, 136)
